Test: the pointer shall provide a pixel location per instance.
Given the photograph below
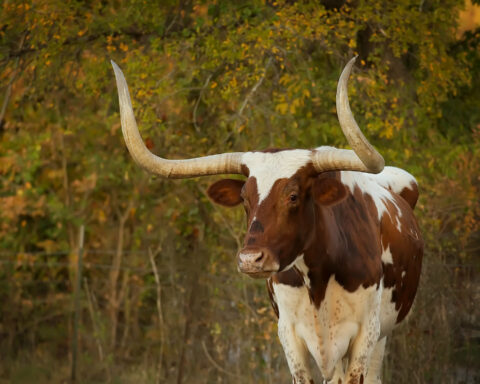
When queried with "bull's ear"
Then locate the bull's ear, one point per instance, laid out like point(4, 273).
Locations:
point(328, 191)
point(226, 192)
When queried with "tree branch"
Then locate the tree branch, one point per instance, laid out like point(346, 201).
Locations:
point(161, 322)
point(197, 128)
point(8, 92)
point(252, 92)
point(214, 363)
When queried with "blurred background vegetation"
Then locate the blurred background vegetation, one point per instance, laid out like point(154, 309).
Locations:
point(161, 300)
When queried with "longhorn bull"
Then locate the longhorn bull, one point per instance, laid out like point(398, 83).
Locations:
point(331, 229)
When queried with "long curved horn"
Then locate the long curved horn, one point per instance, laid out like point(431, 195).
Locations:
point(363, 157)
point(175, 169)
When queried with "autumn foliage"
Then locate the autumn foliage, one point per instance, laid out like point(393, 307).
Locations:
point(161, 299)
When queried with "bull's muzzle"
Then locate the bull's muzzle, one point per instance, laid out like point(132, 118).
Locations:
point(257, 262)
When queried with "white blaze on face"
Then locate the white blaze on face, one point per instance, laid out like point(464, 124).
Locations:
point(270, 167)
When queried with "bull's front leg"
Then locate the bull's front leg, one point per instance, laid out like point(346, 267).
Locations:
point(296, 353)
point(362, 349)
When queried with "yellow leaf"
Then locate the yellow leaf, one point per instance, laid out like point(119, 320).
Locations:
point(282, 108)
point(48, 245)
point(285, 79)
point(102, 218)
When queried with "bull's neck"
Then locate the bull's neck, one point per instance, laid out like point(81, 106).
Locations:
point(318, 262)
point(318, 247)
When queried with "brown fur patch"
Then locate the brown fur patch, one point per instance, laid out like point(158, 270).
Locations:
point(410, 195)
point(271, 294)
point(328, 191)
point(406, 246)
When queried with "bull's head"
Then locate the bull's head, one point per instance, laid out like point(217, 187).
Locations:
point(282, 188)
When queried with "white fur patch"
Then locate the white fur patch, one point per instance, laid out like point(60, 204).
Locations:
point(388, 313)
point(387, 256)
point(374, 374)
point(292, 263)
point(294, 303)
point(302, 267)
point(269, 167)
point(399, 224)
point(375, 186)
point(343, 318)
point(395, 179)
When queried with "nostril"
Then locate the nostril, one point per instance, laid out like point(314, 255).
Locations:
point(259, 258)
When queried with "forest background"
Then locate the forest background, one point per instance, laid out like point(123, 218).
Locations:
point(161, 300)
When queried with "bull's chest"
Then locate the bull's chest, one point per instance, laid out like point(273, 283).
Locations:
point(326, 332)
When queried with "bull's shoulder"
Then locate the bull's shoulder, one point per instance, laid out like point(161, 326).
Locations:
point(392, 179)
point(399, 181)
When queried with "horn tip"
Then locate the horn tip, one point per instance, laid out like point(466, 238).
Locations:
point(116, 68)
point(351, 61)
